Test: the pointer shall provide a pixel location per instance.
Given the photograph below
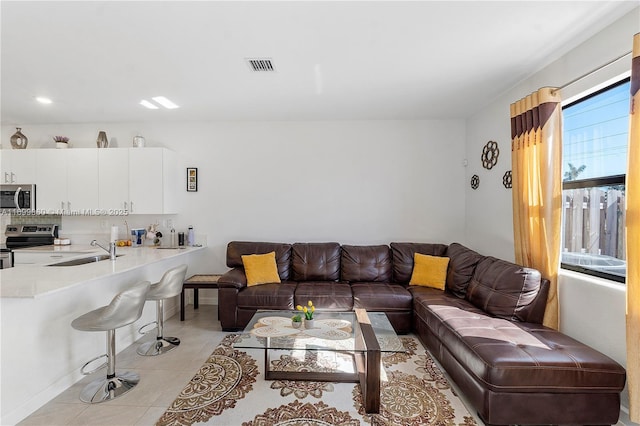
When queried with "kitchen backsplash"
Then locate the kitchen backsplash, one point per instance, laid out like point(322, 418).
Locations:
point(82, 230)
point(52, 219)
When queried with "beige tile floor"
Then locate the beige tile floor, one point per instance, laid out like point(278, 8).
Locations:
point(161, 377)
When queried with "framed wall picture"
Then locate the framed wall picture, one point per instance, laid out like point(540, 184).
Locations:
point(192, 179)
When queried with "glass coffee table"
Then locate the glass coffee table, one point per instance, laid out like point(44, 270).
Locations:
point(363, 335)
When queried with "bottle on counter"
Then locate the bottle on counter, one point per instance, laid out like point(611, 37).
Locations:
point(191, 240)
point(173, 237)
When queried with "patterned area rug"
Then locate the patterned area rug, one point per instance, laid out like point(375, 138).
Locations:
point(229, 390)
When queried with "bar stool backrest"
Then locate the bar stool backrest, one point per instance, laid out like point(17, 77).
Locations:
point(125, 308)
point(170, 285)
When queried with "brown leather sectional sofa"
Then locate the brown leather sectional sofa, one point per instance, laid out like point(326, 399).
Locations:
point(485, 328)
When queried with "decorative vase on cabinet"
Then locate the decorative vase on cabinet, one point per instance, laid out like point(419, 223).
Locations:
point(102, 141)
point(138, 141)
point(62, 142)
point(18, 140)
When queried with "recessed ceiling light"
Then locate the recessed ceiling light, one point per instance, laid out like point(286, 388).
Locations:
point(44, 100)
point(165, 102)
point(148, 104)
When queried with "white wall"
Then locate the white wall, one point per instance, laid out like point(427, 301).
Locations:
point(356, 182)
point(590, 310)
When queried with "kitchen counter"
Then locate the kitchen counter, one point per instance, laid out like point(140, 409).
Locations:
point(34, 281)
point(39, 302)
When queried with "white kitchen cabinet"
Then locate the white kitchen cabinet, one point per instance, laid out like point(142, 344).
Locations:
point(82, 180)
point(153, 181)
point(51, 180)
point(113, 179)
point(67, 180)
point(139, 180)
point(18, 166)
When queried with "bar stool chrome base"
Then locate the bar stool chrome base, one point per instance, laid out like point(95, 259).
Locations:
point(158, 347)
point(104, 389)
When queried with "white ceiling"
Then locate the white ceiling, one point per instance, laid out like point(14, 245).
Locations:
point(334, 60)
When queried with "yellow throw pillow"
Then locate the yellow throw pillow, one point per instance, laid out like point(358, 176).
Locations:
point(261, 268)
point(429, 271)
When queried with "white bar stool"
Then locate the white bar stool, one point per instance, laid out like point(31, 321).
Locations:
point(125, 308)
point(169, 286)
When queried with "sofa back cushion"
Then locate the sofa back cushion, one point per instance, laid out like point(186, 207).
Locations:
point(315, 261)
point(366, 263)
point(504, 289)
point(462, 265)
point(236, 249)
point(402, 255)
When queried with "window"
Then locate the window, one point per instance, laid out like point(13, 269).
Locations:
point(594, 150)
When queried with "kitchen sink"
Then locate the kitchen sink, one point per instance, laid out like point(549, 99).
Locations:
point(83, 260)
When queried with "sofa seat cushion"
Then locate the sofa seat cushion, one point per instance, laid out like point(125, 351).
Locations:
point(326, 296)
point(268, 296)
point(384, 297)
point(425, 297)
point(510, 356)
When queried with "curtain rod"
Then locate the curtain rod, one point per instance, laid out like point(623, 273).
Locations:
point(575, 80)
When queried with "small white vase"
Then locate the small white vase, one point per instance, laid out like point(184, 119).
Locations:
point(138, 141)
point(62, 145)
point(296, 324)
point(309, 323)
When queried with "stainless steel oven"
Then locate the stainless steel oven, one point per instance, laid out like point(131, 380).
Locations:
point(6, 257)
point(17, 197)
point(24, 236)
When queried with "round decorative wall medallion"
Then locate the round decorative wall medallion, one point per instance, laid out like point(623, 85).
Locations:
point(507, 179)
point(475, 181)
point(490, 154)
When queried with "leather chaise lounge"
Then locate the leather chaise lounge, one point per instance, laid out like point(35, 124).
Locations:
point(484, 328)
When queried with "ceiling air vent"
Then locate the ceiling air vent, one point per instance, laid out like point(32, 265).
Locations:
point(261, 64)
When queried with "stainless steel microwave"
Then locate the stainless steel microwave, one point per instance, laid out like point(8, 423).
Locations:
point(17, 197)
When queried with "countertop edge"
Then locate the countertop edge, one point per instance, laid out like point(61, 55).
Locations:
point(44, 268)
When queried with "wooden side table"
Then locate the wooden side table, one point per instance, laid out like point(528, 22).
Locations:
point(197, 282)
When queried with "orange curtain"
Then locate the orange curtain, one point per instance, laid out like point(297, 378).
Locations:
point(536, 155)
point(633, 239)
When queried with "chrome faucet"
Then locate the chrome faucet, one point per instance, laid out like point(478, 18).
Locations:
point(111, 250)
